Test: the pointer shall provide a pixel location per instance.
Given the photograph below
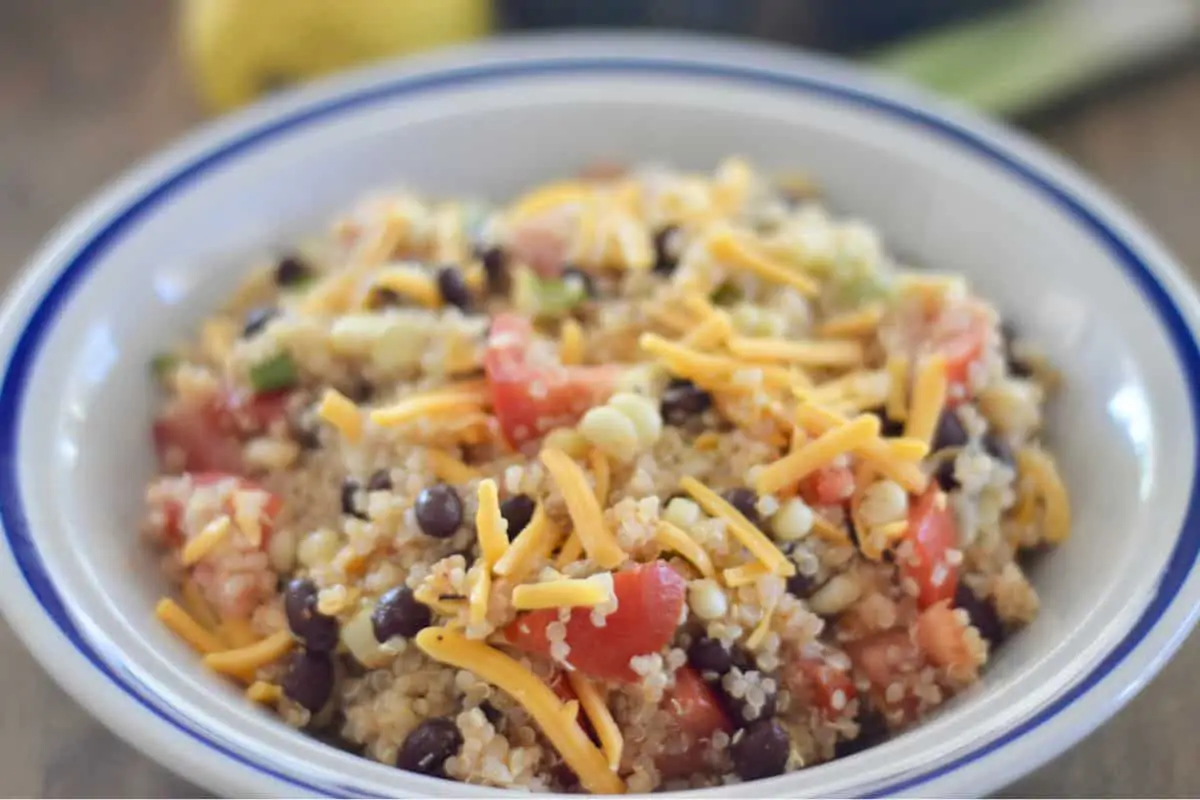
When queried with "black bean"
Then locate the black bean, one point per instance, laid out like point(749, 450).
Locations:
point(453, 288)
point(742, 659)
point(383, 297)
point(495, 266)
point(802, 586)
point(517, 511)
point(762, 750)
point(998, 448)
point(981, 612)
point(949, 431)
point(309, 679)
point(380, 481)
point(944, 475)
point(257, 319)
point(439, 511)
point(318, 631)
point(682, 401)
point(709, 655)
point(491, 713)
point(307, 436)
point(426, 749)
point(665, 254)
point(576, 274)
point(291, 270)
point(745, 501)
point(872, 730)
point(360, 391)
point(350, 499)
point(887, 425)
point(399, 613)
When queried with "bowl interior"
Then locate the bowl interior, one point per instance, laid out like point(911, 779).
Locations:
point(85, 447)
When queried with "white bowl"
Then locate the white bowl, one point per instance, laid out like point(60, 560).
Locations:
point(145, 261)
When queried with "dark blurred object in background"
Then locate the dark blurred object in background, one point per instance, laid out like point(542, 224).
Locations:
point(837, 25)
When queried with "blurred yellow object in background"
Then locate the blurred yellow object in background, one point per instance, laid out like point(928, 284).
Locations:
point(240, 49)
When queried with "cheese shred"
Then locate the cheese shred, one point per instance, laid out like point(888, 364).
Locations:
point(606, 728)
point(490, 524)
point(185, 627)
point(928, 399)
point(897, 399)
point(670, 537)
point(882, 454)
point(206, 540)
point(432, 404)
point(340, 412)
point(570, 343)
point(751, 537)
point(818, 453)
point(1038, 467)
point(244, 661)
point(532, 546)
point(481, 592)
point(562, 593)
point(841, 353)
point(572, 549)
point(449, 469)
point(586, 514)
point(508, 675)
point(734, 251)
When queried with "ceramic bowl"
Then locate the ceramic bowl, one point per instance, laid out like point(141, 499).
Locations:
point(148, 259)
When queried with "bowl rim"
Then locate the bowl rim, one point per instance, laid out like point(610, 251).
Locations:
point(109, 690)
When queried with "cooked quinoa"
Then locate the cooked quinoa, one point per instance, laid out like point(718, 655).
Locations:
point(644, 481)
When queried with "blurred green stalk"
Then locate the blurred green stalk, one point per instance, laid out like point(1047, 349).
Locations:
point(1014, 61)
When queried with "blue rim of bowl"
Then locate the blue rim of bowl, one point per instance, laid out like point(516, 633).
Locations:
point(24, 353)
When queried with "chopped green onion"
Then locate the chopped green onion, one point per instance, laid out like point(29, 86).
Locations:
point(162, 365)
point(276, 372)
point(726, 294)
point(546, 298)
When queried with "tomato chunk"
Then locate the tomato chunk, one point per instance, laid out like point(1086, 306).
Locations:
point(206, 435)
point(884, 659)
point(172, 509)
point(814, 682)
point(697, 716)
point(828, 486)
point(943, 640)
point(933, 534)
point(650, 599)
point(530, 400)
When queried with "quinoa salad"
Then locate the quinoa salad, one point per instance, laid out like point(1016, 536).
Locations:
point(645, 480)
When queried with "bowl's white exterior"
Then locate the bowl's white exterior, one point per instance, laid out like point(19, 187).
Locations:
point(948, 190)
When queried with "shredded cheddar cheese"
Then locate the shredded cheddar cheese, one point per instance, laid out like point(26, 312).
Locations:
point(508, 675)
point(206, 540)
point(562, 593)
point(793, 467)
point(532, 546)
point(197, 606)
point(818, 421)
point(411, 282)
point(245, 661)
point(827, 531)
point(744, 574)
point(572, 549)
point(182, 625)
point(606, 728)
point(586, 514)
point(1036, 465)
point(449, 469)
point(761, 630)
point(897, 399)
point(340, 412)
point(671, 537)
point(711, 332)
point(237, 632)
point(751, 537)
point(490, 525)
point(481, 592)
point(860, 322)
point(602, 472)
point(550, 197)
point(449, 402)
point(263, 692)
point(928, 399)
point(808, 353)
point(735, 251)
point(570, 344)
point(708, 370)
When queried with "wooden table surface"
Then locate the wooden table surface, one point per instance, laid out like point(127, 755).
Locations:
point(87, 88)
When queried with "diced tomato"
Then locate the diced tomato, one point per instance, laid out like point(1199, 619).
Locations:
point(197, 434)
point(887, 658)
point(828, 486)
point(173, 509)
point(940, 636)
point(650, 599)
point(814, 682)
point(207, 435)
point(530, 400)
point(697, 715)
point(961, 350)
point(933, 534)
